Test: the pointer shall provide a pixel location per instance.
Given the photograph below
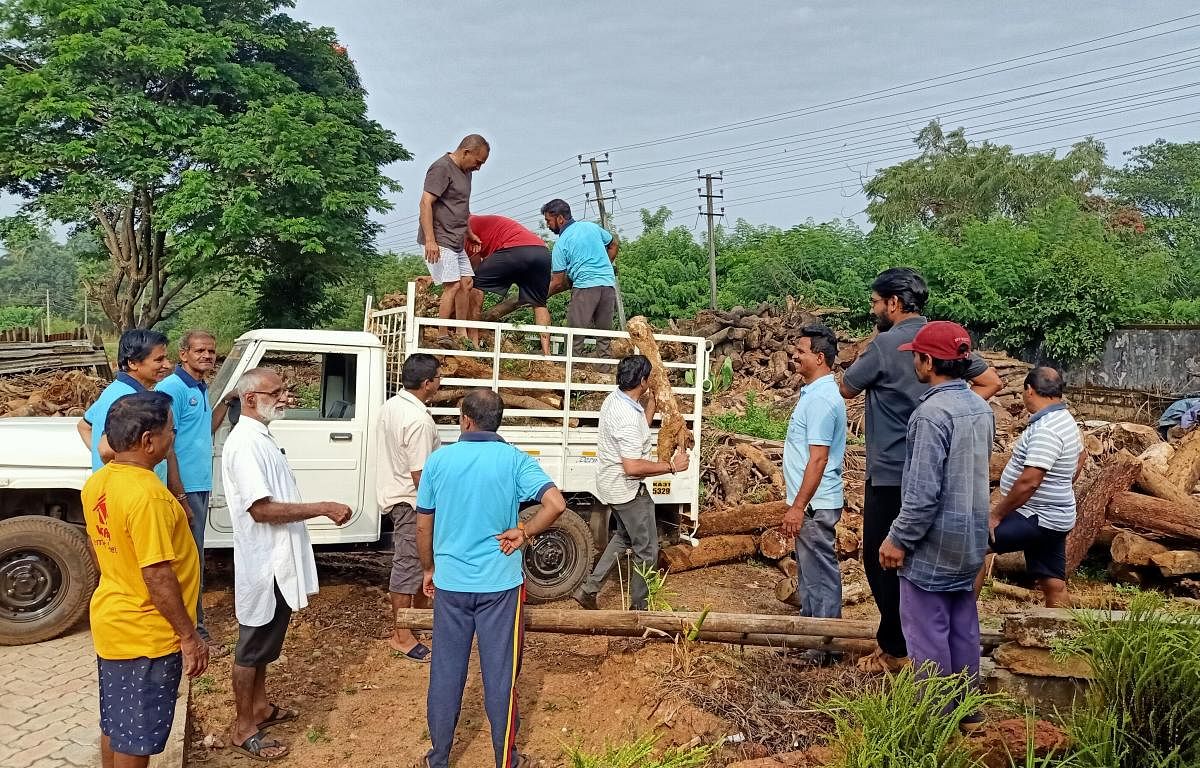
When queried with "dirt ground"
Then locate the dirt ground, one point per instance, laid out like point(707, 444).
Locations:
point(362, 706)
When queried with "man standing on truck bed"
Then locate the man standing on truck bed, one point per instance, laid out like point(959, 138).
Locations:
point(622, 445)
point(470, 539)
point(143, 613)
point(407, 438)
point(893, 390)
point(584, 255)
point(509, 254)
point(274, 570)
point(142, 362)
point(195, 423)
point(445, 229)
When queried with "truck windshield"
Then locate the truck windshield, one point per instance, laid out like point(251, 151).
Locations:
point(225, 372)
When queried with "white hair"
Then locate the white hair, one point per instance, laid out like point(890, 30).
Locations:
point(252, 380)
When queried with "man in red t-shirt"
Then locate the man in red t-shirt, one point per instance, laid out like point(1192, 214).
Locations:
point(509, 254)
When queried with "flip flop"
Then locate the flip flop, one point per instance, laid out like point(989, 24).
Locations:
point(419, 653)
point(253, 747)
point(278, 715)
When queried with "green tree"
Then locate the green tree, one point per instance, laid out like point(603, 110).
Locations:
point(208, 145)
point(33, 265)
point(954, 181)
point(663, 272)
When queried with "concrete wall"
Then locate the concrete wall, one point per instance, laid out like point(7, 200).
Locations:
point(1159, 360)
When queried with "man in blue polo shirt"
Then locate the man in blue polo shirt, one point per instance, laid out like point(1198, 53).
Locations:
point(469, 540)
point(194, 426)
point(583, 254)
point(812, 470)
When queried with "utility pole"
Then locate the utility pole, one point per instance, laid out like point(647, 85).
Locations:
point(47, 312)
point(85, 310)
point(597, 182)
point(707, 195)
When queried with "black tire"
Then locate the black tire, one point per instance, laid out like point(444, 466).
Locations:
point(47, 576)
point(559, 559)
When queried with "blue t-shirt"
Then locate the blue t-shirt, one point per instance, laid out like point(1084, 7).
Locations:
point(473, 489)
point(97, 416)
point(193, 429)
point(818, 419)
point(580, 251)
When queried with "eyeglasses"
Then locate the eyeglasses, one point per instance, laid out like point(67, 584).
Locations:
point(272, 393)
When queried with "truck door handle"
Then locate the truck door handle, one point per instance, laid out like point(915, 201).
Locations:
point(340, 437)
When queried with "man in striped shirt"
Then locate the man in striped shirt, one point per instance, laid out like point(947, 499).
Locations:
point(1037, 486)
point(622, 445)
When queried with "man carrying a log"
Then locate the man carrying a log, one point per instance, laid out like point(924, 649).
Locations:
point(445, 230)
point(1038, 485)
point(893, 390)
point(939, 539)
point(407, 438)
point(583, 256)
point(812, 469)
point(622, 445)
point(509, 254)
point(470, 539)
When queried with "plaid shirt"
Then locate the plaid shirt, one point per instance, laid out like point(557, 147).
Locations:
point(943, 521)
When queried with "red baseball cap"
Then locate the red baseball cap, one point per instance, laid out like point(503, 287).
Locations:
point(941, 339)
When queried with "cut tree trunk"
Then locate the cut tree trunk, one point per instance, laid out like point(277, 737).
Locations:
point(1183, 468)
point(787, 567)
point(542, 402)
point(786, 591)
point(1113, 477)
point(773, 544)
point(1130, 549)
point(708, 551)
point(765, 466)
point(1156, 484)
point(743, 518)
point(674, 431)
point(1150, 514)
point(1177, 563)
point(996, 465)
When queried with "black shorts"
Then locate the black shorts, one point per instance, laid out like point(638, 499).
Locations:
point(526, 266)
point(1045, 550)
point(137, 701)
point(257, 646)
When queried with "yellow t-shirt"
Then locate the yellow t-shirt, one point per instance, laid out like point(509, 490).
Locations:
point(133, 521)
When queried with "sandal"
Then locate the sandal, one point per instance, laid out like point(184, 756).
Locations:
point(278, 715)
point(419, 653)
point(253, 748)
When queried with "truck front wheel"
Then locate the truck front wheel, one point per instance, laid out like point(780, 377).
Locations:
point(46, 578)
point(559, 558)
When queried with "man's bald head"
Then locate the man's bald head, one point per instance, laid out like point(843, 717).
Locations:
point(473, 141)
point(472, 153)
point(1046, 382)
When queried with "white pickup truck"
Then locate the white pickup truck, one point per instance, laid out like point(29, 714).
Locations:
point(46, 570)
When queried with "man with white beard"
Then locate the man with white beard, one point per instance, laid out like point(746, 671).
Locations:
point(274, 570)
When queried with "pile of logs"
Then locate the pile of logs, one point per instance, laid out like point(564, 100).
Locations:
point(59, 393)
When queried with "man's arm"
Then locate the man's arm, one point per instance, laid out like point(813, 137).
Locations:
point(643, 468)
point(425, 551)
point(168, 600)
point(862, 373)
point(987, 384)
point(613, 246)
point(432, 252)
point(793, 519)
point(1022, 491)
point(218, 414)
point(267, 510)
point(558, 283)
point(175, 483)
point(85, 433)
point(553, 505)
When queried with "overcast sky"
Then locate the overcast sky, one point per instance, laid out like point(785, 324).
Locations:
point(545, 83)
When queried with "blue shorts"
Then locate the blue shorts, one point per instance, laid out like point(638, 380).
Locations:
point(1045, 550)
point(137, 702)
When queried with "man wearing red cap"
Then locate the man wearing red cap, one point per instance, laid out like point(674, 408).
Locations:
point(940, 537)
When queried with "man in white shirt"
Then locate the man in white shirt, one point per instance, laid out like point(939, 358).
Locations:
point(623, 443)
point(407, 436)
point(273, 564)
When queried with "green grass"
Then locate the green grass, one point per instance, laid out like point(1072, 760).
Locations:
point(659, 597)
point(640, 754)
point(316, 733)
point(203, 685)
point(757, 421)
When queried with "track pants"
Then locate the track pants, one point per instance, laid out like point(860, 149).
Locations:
point(497, 620)
point(881, 506)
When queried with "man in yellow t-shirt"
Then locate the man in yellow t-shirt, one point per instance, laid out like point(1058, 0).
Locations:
point(143, 613)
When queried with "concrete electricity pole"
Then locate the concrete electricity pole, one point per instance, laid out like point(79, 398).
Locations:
point(706, 194)
point(596, 182)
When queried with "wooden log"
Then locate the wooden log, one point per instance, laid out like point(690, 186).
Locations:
point(743, 518)
point(1183, 468)
point(674, 431)
point(542, 402)
point(1117, 475)
point(708, 551)
point(1130, 549)
point(773, 544)
point(765, 466)
point(787, 566)
point(1177, 563)
point(1150, 514)
point(1156, 484)
point(731, 491)
point(786, 591)
point(996, 465)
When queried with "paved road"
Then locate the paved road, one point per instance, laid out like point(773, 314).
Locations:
point(48, 709)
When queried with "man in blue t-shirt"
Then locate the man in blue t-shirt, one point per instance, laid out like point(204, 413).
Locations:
point(584, 255)
point(812, 471)
point(469, 539)
point(195, 422)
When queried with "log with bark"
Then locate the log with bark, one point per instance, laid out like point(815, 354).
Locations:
point(708, 551)
point(539, 402)
point(674, 431)
point(1156, 484)
point(1177, 563)
point(744, 518)
point(787, 566)
point(773, 544)
point(1183, 468)
point(760, 461)
point(1156, 515)
point(1115, 476)
point(1130, 549)
point(786, 591)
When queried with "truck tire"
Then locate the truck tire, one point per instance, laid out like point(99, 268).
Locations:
point(559, 559)
point(47, 576)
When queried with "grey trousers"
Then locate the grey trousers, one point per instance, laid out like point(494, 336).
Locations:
point(819, 578)
point(592, 308)
point(636, 531)
point(198, 501)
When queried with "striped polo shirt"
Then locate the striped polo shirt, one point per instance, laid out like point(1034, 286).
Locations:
point(623, 434)
point(1051, 442)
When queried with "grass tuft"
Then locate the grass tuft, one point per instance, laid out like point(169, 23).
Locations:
point(640, 754)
